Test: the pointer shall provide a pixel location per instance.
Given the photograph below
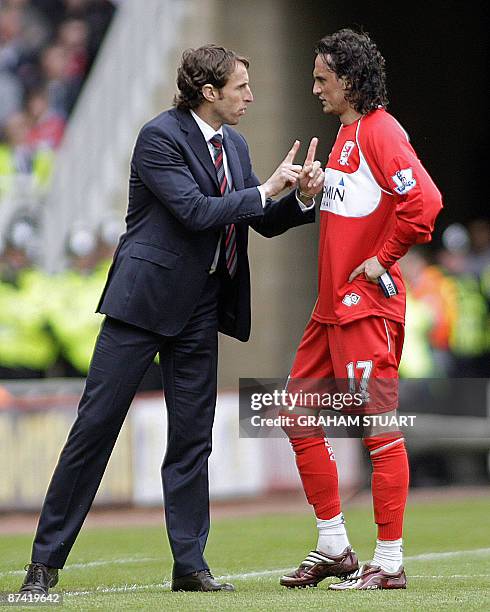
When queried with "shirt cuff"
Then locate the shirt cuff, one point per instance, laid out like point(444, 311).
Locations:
point(305, 207)
point(262, 195)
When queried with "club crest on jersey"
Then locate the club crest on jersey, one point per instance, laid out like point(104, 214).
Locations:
point(404, 181)
point(345, 153)
point(351, 299)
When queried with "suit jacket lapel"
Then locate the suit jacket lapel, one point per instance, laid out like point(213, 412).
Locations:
point(197, 143)
point(233, 161)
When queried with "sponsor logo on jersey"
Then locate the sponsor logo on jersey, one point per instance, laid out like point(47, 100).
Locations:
point(345, 153)
point(351, 299)
point(404, 181)
point(332, 193)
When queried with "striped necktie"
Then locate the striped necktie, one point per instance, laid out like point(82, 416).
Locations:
point(230, 230)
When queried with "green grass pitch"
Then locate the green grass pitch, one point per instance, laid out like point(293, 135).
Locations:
point(129, 568)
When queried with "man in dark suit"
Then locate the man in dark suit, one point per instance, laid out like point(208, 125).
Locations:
point(180, 274)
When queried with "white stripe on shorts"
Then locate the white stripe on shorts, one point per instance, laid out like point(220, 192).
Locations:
point(387, 336)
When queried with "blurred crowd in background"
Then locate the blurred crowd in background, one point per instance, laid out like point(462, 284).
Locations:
point(48, 326)
point(448, 305)
point(47, 323)
point(46, 50)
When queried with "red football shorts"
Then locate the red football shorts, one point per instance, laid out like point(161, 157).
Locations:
point(364, 353)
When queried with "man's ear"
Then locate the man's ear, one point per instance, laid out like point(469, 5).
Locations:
point(345, 83)
point(208, 92)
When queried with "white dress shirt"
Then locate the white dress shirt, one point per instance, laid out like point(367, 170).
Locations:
point(208, 132)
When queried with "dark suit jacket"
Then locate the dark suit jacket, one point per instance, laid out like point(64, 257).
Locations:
point(175, 215)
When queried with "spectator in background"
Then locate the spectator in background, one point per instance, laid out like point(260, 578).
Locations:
point(10, 95)
point(72, 319)
point(97, 14)
point(15, 256)
point(35, 28)
point(73, 38)
point(76, 29)
point(18, 159)
point(71, 315)
point(27, 347)
point(46, 125)
point(20, 41)
point(469, 336)
point(479, 264)
point(417, 360)
point(431, 287)
point(11, 44)
point(15, 152)
point(110, 230)
point(61, 92)
point(47, 77)
point(479, 256)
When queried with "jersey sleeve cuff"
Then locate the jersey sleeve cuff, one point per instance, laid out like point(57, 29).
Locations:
point(385, 262)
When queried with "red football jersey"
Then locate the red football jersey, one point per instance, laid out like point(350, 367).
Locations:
point(379, 200)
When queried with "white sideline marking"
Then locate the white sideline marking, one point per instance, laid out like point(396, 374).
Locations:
point(245, 576)
point(261, 574)
point(452, 576)
point(122, 589)
point(166, 585)
point(448, 554)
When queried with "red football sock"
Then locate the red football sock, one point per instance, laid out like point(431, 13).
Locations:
point(318, 471)
point(389, 483)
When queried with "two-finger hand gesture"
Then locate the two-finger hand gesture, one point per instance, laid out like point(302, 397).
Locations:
point(308, 178)
point(311, 177)
point(285, 175)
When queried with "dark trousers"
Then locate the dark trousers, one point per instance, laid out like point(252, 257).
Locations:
point(122, 354)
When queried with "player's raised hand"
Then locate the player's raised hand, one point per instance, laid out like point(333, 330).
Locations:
point(311, 178)
point(285, 175)
point(371, 268)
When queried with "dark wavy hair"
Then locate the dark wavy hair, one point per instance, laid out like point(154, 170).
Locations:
point(209, 64)
point(354, 56)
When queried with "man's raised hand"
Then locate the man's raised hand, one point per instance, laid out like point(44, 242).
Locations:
point(285, 175)
point(311, 178)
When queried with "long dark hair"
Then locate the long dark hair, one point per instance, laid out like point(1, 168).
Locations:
point(354, 56)
point(209, 64)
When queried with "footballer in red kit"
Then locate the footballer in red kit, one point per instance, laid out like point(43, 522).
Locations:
point(378, 201)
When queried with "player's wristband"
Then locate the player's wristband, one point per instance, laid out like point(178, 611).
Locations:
point(388, 285)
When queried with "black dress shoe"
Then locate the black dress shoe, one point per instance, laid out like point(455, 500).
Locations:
point(200, 581)
point(39, 579)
